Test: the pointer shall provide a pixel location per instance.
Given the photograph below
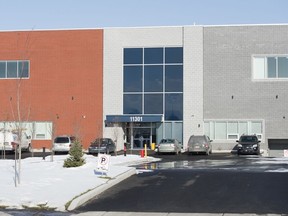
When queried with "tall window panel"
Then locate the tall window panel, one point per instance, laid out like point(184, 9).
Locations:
point(153, 81)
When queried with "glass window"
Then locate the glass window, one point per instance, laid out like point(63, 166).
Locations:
point(153, 104)
point(153, 55)
point(174, 55)
point(2, 69)
point(243, 128)
point(43, 130)
point(270, 67)
point(282, 67)
point(132, 78)
point(133, 56)
point(174, 78)
point(259, 68)
point(159, 132)
point(12, 69)
point(220, 130)
point(178, 131)
point(168, 130)
point(271, 61)
point(256, 127)
point(132, 104)
point(174, 107)
point(23, 69)
point(153, 78)
point(207, 128)
point(232, 127)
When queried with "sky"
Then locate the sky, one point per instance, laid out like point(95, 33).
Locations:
point(74, 14)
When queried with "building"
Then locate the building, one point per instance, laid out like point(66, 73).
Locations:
point(53, 80)
point(139, 85)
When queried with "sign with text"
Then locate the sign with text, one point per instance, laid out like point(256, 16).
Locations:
point(103, 162)
point(134, 118)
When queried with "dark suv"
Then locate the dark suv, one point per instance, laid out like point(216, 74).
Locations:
point(248, 144)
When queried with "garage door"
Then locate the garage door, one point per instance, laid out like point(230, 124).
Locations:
point(277, 146)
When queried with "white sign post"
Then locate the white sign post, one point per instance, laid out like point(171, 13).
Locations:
point(285, 152)
point(103, 163)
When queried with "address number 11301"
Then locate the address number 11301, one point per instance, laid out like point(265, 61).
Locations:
point(136, 119)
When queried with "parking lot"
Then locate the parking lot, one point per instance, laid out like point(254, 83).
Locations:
point(218, 183)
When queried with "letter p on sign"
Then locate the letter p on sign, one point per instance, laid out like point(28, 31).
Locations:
point(103, 162)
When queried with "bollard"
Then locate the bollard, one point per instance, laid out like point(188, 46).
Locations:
point(43, 153)
point(142, 153)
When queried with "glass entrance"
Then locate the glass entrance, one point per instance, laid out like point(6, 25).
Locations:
point(140, 134)
point(141, 137)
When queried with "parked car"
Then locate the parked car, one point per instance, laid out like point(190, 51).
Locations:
point(200, 144)
point(248, 144)
point(169, 146)
point(9, 141)
point(102, 145)
point(63, 143)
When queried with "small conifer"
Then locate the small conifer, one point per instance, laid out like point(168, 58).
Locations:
point(75, 158)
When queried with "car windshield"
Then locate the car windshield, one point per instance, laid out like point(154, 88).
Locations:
point(248, 139)
point(166, 141)
point(197, 139)
point(101, 142)
point(61, 140)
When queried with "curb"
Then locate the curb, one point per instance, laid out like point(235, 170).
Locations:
point(99, 189)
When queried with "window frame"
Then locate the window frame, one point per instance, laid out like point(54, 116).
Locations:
point(211, 123)
point(263, 76)
point(147, 88)
point(17, 62)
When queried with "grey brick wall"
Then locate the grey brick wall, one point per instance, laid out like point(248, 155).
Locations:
point(227, 55)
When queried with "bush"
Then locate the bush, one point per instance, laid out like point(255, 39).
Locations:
point(75, 158)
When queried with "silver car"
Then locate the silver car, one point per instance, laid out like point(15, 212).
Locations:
point(169, 146)
point(63, 143)
point(200, 144)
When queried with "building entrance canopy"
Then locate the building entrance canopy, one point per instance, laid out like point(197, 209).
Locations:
point(133, 118)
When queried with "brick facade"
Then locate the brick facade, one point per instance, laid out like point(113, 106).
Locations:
point(65, 84)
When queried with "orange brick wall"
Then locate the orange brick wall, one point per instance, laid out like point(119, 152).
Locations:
point(65, 84)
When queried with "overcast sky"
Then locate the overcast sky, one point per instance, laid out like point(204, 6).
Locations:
point(63, 14)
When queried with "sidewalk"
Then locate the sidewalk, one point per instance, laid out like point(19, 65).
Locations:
point(166, 214)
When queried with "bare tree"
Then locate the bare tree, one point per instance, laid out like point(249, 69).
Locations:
point(20, 114)
point(117, 129)
point(52, 132)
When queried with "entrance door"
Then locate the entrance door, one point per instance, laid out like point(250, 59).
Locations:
point(141, 136)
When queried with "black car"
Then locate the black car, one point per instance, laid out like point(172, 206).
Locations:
point(248, 144)
point(102, 145)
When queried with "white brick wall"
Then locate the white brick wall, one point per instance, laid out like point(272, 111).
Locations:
point(115, 39)
point(193, 82)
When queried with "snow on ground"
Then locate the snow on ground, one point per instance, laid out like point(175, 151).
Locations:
point(283, 161)
point(49, 184)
